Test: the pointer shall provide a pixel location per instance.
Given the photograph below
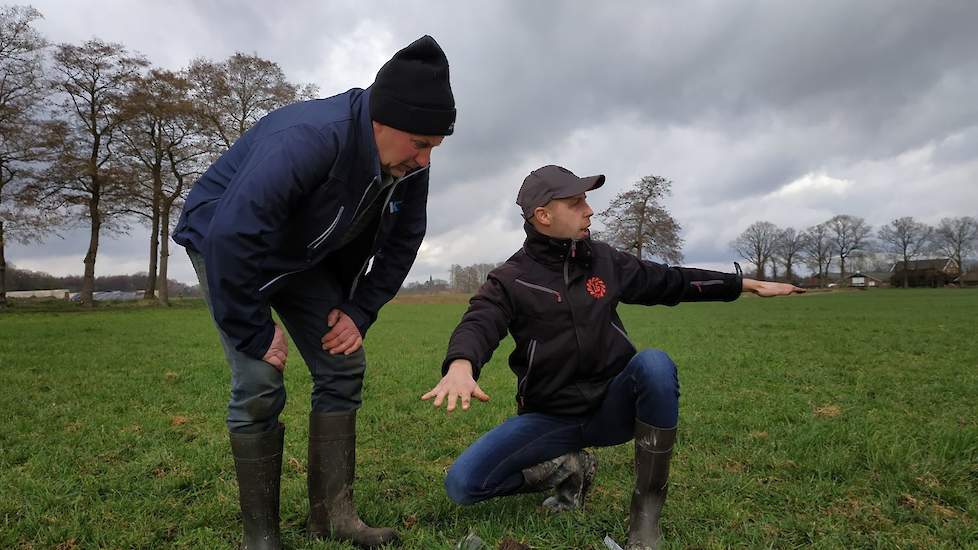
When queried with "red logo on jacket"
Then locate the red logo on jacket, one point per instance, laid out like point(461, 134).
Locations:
point(596, 287)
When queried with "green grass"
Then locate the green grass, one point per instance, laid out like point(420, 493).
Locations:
point(842, 420)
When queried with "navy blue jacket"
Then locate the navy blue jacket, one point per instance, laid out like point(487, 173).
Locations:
point(279, 200)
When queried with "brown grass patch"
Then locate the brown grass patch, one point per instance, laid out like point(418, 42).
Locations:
point(179, 420)
point(439, 298)
point(297, 465)
point(735, 467)
point(828, 411)
point(944, 511)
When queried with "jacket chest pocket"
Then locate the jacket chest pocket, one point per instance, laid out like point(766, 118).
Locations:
point(322, 237)
point(522, 385)
point(542, 301)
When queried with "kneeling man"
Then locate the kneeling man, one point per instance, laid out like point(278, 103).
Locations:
point(580, 380)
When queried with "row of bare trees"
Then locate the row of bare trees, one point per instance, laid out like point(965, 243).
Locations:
point(92, 135)
point(845, 238)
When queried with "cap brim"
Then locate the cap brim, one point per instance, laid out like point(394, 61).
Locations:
point(589, 183)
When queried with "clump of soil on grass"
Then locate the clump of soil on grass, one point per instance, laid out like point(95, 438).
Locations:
point(510, 544)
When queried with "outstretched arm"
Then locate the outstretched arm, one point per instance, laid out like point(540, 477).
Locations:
point(457, 385)
point(766, 289)
point(471, 345)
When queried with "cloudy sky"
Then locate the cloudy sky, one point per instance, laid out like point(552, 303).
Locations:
point(789, 112)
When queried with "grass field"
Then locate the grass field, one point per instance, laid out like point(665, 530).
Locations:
point(838, 420)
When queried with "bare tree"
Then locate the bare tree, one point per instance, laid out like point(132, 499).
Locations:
point(150, 111)
point(92, 79)
point(22, 94)
point(186, 158)
point(906, 238)
point(756, 245)
point(957, 238)
point(849, 234)
point(788, 249)
point(817, 245)
point(232, 95)
point(636, 221)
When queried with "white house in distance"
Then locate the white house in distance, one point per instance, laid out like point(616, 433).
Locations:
point(59, 293)
point(863, 280)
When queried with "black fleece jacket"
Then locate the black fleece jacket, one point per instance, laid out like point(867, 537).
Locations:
point(558, 298)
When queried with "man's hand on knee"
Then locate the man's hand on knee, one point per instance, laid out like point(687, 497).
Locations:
point(278, 352)
point(457, 385)
point(343, 336)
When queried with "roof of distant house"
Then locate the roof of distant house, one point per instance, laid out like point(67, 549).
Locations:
point(932, 263)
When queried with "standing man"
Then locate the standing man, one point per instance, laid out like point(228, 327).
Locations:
point(580, 380)
point(288, 219)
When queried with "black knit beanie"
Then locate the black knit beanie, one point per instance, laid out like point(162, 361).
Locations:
point(412, 92)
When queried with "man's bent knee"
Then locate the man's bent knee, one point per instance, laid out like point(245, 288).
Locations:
point(656, 368)
point(460, 487)
point(257, 399)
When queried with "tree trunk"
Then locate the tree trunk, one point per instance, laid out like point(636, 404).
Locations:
point(154, 239)
point(639, 237)
point(906, 273)
point(3, 271)
point(164, 297)
point(759, 272)
point(960, 261)
point(88, 281)
point(842, 269)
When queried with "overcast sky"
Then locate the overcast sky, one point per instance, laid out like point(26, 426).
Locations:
point(788, 112)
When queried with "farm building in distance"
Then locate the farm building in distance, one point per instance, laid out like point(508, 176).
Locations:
point(935, 272)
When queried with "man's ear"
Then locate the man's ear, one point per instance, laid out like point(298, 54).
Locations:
point(542, 216)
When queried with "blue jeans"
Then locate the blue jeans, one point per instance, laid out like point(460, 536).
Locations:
point(648, 389)
point(257, 388)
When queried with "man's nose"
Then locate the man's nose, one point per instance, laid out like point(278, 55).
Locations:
point(423, 158)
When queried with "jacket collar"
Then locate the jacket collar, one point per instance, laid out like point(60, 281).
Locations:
point(367, 146)
point(549, 251)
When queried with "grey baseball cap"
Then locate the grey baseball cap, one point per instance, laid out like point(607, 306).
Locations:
point(552, 182)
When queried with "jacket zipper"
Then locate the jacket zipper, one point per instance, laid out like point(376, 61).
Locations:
point(572, 253)
point(623, 333)
point(364, 195)
point(541, 289)
point(329, 230)
point(529, 367)
point(383, 210)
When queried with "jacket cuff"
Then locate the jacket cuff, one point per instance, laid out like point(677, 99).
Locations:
point(360, 317)
point(476, 365)
point(258, 345)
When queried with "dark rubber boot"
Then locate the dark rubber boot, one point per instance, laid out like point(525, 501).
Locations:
point(653, 451)
point(332, 463)
point(570, 476)
point(258, 465)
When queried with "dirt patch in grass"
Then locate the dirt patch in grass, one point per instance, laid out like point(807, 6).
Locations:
point(828, 411)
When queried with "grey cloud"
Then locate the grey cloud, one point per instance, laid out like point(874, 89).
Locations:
point(774, 90)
